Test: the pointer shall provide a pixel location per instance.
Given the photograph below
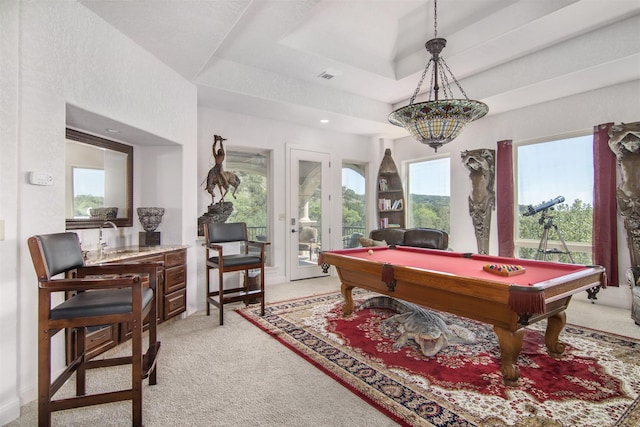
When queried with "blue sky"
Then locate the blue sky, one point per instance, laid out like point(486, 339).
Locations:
point(432, 178)
point(353, 180)
point(558, 168)
point(546, 170)
point(88, 181)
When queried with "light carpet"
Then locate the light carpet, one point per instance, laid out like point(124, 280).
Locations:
point(595, 383)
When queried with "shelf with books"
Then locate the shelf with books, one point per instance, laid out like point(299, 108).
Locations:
point(390, 195)
point(390, 204)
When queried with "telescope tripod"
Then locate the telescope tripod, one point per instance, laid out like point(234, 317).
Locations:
point(547, 220)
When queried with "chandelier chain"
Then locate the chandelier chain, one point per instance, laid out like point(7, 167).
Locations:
point(435, 19)
point(455, 80)
point(424, 73)
point(431, 83)
point(446, 87)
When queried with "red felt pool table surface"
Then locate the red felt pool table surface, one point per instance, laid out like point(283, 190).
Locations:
point(457, 283)
point(536, 272)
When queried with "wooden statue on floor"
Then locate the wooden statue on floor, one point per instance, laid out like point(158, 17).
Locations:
point(624, 141)
point(481, 165)
point(217, 184)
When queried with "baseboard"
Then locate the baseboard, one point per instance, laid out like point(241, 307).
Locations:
point(9, 411)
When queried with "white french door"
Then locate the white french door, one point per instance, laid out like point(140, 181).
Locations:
point(309, 184)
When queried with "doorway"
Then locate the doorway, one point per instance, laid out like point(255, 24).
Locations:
point(309, 211)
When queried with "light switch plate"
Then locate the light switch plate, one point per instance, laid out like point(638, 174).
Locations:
point(40, 178)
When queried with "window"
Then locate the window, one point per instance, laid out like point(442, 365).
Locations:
point(353, 204)
point(250, 204)
point(555, 199)
point(88, 190)
point(429, 192)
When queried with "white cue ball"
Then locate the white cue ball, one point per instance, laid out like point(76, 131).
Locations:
point(370, 252)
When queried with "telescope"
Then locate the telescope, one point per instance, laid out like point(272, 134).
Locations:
point(532, 210)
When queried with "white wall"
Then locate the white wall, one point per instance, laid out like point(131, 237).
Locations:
point(9, 278)
point(579, 113)
point(54, 53)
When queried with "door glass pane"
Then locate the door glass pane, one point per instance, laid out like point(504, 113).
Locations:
point(353, 204)
point(250, 195)
point(309, 209)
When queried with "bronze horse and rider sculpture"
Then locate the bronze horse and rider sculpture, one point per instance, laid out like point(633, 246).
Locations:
point(217, 176)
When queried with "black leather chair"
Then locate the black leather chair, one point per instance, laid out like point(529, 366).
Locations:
point(251, 256)
point(428, 238)
point(94, 295)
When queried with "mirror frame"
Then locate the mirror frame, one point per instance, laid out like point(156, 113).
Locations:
point(126, 221)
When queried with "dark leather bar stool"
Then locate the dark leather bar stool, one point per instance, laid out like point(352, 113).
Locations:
point(95, 295)
point(216, 235)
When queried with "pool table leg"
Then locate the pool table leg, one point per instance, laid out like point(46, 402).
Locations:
point(555, 324)
point(510, 348)
point(347, 308)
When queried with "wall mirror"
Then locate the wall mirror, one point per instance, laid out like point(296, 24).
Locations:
point(98, 181)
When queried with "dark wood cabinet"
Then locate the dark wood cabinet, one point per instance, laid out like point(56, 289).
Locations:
point(171, 300)
point(174, 296)
point(100, 339)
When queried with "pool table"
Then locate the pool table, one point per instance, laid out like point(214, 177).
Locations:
point(457, 283)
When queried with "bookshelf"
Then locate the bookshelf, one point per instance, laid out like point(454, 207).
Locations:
point(390, 194)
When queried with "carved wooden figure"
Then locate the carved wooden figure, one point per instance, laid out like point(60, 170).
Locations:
point(481, 165)
point(624, 141)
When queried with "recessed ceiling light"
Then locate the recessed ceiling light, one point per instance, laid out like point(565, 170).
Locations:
point(324, 120)
point(112, 130)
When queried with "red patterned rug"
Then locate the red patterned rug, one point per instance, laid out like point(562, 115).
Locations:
point(596, 383)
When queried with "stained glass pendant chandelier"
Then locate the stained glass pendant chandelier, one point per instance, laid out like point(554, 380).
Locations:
point(438, 121)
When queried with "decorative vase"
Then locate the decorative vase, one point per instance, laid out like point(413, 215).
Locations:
point(150, 218)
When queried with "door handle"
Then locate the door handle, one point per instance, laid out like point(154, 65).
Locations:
point(293, 230)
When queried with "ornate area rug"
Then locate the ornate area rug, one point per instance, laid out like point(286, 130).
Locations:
point(596, 383)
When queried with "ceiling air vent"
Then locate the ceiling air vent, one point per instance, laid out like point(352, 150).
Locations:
point(329, 73)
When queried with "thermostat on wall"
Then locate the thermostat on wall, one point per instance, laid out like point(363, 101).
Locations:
point(40, 178)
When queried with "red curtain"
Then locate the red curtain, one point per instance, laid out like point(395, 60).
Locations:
point(504, 198)
point(605, 230)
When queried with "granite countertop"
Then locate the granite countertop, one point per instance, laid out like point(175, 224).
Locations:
point(126, 252)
